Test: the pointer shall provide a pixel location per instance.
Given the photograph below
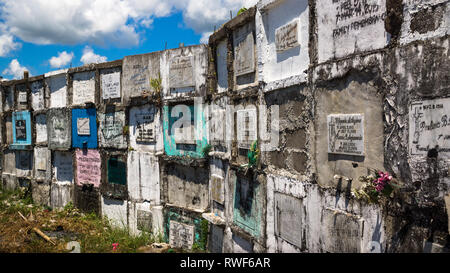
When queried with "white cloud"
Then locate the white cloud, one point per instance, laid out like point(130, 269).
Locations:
point(104, 22)
point(90, 57)
point(15, 69)
point(62, 60)
point(7, 44)
point(205, 37)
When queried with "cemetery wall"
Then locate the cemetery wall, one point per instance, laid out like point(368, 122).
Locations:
point(289, 104)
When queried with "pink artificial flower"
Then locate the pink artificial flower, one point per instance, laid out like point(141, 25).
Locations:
point(115, 246)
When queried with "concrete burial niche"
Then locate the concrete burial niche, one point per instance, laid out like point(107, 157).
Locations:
point(114, 175)
point(247, 203)
point(22, 97)
point(40, 123)
point(56, 83)
point(59, 129)
point(185, 229)
point(221, 66)
point(244, 63)
point(83, 88)
point(110, 84)
point(37, 95)
point(348, 27)
point(137, 72)
point(62, 167)
point(87, 198)
point(184, 71)
point(21, 127)
point(8, 104)
point(341, 232)
point(187, 187)
point(143, 177)
point(84, 128)
point(62, 179)
point(88, 167)
point(284, 43)
point(145, 128)
point(349, 131)
point(111, 130)
point(42, 164)
point(185, 131)
point(24, 163)
point(116, 211)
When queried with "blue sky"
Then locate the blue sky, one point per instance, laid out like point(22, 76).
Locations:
point(45, 35)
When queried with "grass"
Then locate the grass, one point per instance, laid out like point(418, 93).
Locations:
point(95, 234)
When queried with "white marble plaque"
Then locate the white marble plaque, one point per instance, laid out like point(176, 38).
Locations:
point(288, 218)
point(181, 235)
point(246, 127)
point(429, 127)
point(346, 134)
point(83, 127)
point(286, 37)
point(181, 72)
point(22, 97)
point(244, 57)
point(217, 190)
point(110, 84)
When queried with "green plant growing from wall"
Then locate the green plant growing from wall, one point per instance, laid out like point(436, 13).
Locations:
point(206, 150)
point(253, 154)
point(156, 84)
point(241, 10)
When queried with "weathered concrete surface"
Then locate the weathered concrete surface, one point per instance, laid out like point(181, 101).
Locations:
point(424, 20)
point(110, 83)
point(56, 84)
point(40, 123)
point(37, 95)
point(222, 71)
point(111, 130)
point(59, 129)
point(348, 27)
point(87, 198)
point(288, 154)
point(24, 163)
point(116, 211)
point(145, 217)
point(137, 71)
point(249, 203)
point(143, 177)
point(61, 194)
point(83, 88)
point(184, 71)
point(41, 193)
point(357, 95)
point(245, 61)
point(62, 167)
point(288, 65)
point(145, 129)
point(187, 187)
point(42, 164)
